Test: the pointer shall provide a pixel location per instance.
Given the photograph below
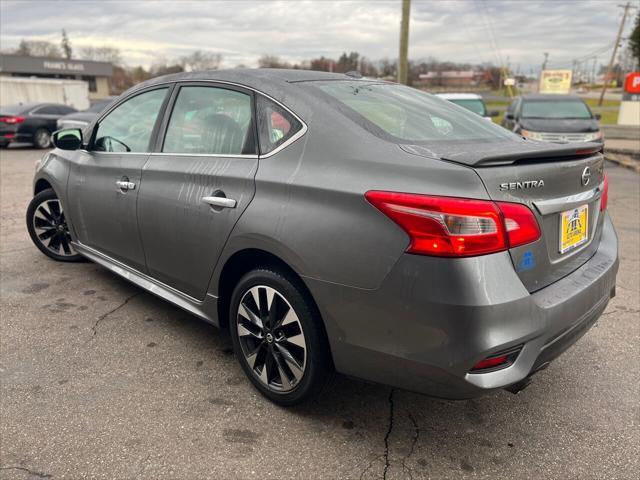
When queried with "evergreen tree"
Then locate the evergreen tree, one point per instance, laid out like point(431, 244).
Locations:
point(66, 45)
point(634, 41)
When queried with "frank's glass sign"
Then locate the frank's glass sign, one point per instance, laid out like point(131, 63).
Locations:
point(63, 66)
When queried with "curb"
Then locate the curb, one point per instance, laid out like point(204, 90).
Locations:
point(625, 158)
point(626, 132)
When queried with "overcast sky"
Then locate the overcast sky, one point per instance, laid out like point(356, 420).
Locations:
point(471, 31)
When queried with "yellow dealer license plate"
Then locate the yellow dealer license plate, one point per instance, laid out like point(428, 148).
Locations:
point(574, 228)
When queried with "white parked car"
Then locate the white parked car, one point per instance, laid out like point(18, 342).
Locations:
point(470, 101)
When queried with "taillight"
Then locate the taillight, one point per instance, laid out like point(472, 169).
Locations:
point(520, 223)
point(11, 120)
point(604, 199)
point(456, 227)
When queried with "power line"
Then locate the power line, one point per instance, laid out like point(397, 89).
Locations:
point(627, 7)
point(582, 58)
point(463, 17)
point(490, 33)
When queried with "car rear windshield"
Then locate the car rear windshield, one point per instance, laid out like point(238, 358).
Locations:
point(407, 115)
point(475, 106)
point(555, 109)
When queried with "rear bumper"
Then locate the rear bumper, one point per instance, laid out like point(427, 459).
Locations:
point(9, 135)
point(433, 319)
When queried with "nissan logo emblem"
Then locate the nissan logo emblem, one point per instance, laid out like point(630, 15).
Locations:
point(586, 176)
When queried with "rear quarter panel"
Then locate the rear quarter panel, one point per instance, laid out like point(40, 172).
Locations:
point(309, 208)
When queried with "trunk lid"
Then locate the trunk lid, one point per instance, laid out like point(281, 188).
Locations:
point(550, 180)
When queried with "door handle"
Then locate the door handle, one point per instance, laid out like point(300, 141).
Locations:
point(221, 202)
point(125, 185)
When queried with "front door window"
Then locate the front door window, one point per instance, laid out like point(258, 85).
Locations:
point(128, 128)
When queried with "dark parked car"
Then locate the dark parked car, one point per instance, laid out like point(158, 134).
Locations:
point(553, 118)
point(30, 123)
point(333, 223)
point(84, 118)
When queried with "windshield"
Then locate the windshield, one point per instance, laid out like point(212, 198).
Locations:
point(475, 106)
point(408, 115)
point(555, 109)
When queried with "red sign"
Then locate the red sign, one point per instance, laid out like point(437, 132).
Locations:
point(632, 83)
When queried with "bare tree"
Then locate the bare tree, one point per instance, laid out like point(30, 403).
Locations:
point(387, 68)
point(200, 60)
point(102, 54)
point(164, 68)
point(322, 64)
point(272, 61)
point(38, 48)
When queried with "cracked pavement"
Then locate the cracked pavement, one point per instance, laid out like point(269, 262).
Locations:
point(100, 379)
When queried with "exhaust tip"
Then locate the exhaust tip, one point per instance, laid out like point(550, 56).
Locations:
point(516, 388)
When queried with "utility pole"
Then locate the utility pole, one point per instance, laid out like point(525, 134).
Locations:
point(403, 62)
point(615, 50)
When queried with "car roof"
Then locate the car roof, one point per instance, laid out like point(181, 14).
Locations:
point(549, 97)
point(459, 96)
point(250, 74)
point(31, 106)
point(21, 108)
point(275, 82)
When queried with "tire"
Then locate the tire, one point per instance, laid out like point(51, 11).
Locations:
point(42, 138)
point(283, 351)
point(48, 228)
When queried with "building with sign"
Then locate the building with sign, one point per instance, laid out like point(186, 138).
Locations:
point(629, 113)
point(555, 81)
point(96, 74)
point(457, 79)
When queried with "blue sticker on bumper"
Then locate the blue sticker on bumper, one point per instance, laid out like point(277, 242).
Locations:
point(527, 262)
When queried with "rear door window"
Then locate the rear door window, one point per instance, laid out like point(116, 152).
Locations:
point(275, 125)
point(210, 120)
point(129, 126)
point(48, 110)
point(64, 110)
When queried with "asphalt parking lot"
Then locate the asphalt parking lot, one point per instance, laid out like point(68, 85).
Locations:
point(100, 379)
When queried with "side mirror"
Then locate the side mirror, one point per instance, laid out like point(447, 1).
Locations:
point(597, 116)
point(494, 113)
point(508, 116)
point(67, 139)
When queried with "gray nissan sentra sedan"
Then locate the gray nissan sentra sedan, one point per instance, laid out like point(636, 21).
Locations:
point(334, 223)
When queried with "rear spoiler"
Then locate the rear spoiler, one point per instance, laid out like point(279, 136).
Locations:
point(548, 152)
